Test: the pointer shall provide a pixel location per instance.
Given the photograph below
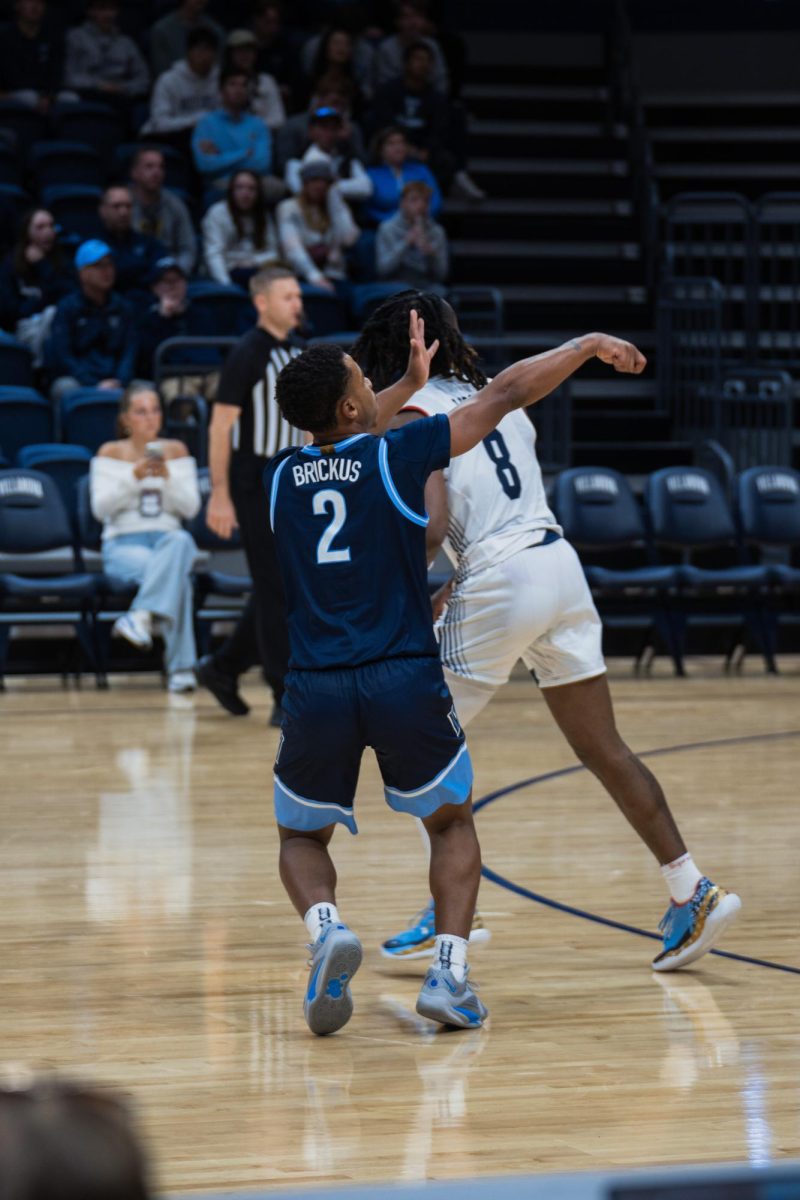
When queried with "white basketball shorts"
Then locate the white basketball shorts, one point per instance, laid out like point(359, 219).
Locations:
point(535, 606)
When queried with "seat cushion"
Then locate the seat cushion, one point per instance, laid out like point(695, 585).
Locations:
point(704, 579)
point(221, 584)
point(66, 587)
point(786, 577)
point(639, 578)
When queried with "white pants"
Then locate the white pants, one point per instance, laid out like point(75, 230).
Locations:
point(535, 606)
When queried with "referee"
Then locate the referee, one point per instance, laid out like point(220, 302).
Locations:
point(246, 430)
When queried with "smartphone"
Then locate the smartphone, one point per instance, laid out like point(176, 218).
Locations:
point(154, 450)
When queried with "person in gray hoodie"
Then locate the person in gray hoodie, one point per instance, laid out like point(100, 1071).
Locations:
point(187, 91)
point(411, 246)
point(103, 64)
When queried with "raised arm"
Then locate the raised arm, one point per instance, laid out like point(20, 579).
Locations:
point(532, 379)
point(420, 356)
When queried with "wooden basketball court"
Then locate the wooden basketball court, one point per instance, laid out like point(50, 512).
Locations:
point(146, 942)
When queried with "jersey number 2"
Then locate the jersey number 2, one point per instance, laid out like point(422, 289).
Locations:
point(507, 473)
point(335, 501)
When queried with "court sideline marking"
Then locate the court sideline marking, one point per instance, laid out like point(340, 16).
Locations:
point(584, 914)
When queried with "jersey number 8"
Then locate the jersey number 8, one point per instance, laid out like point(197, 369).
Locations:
point(507, 473)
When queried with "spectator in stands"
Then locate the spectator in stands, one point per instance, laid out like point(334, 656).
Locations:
point(31, 57)
point(326, 132)
point(186, 92)
point(292, 138)
point(34, 277)
point(231, 138)
point(167, 316)
point(276, 54)
point(169, 37)
point(241, 51)
point(92, 342)
point(101, 63)
point(412, 25)
point(239, 234)
point(436, 127)
point(141, 488)
point(315, 228)
point(135, 254)
point(335, 63)
point(411, 246)
point(394, 170)
point(68, 1140)
point(158, 212)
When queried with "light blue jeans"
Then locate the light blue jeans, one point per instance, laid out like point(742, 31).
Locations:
point(161, 563)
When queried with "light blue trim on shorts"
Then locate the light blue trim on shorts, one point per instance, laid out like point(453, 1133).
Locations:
point(452, 785)
point(298, 812)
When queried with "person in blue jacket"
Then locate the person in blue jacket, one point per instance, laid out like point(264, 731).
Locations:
point(394, 170)
point(231, 138)
point(93, 337)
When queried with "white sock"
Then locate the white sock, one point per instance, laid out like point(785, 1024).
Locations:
point(318, 916)
point(450, 954)
point(682, 877)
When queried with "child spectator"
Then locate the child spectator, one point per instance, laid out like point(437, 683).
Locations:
point(316, 227)
point(411, 246)
point(238, 232)
point(159, 213)
point(394, 170)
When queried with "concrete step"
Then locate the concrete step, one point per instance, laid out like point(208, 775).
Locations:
point(606, 179)
point(536, 102)
point(556, 262)
point(553, 139)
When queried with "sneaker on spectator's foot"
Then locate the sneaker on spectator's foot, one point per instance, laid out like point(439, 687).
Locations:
point(465, 188)
point(222, 687)
point(182, 681)
point(418, 940)
point(335, 958)
point(442, 998)
point(692, 928)
point(134, 626)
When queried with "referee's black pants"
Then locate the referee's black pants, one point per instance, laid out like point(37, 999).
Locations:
point(261, 634)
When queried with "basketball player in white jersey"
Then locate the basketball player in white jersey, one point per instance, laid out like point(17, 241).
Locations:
point(519, 592)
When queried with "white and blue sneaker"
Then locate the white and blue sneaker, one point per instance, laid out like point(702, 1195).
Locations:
point(419, 939)
point(442, 998)
point(335, 958)
point(690, 929)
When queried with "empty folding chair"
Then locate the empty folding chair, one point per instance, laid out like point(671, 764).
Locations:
point(690, 515)
point(25, 417)
point(75, 207)
point(55, 163)
point(34, 525)
point(16, 364)
point(602, 519)
point(64, 464)
point(89, 416)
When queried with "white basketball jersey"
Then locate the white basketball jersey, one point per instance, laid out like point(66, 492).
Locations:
point(495, 492)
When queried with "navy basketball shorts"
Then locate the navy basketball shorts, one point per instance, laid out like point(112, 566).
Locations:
point(402, 708)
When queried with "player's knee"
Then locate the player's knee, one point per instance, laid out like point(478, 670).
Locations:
point(448, 816)
point(602, 755)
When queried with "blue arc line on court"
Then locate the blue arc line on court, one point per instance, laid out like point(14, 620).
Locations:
point(584, 914)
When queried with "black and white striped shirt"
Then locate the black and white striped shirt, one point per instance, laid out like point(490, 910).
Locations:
point(248, 382)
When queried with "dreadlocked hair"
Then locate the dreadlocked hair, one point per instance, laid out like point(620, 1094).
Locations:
point(382, 348)
point(310, 387)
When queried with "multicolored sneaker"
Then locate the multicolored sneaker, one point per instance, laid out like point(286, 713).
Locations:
point(419, 939)
point(335, 958)
point(442, 998)
point(692, 928)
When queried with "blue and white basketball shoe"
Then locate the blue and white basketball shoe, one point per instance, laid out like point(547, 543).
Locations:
point(335, 958)
point(442, 998)
point(692, 928)
point(419, 939)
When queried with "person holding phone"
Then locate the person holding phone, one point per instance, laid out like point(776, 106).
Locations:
point(142, 487)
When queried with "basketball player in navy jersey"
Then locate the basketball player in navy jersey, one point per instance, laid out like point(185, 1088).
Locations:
point(348, 516)
point(520, 592)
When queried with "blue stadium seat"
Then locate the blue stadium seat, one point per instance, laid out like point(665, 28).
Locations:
point(690, 515)
point(13, 202)
point(16, 364)
point(33, 523)
point(112, 596)
point(75, 205)
point(768, 502)
point(89, 416)
point(63, 463)
point(227, 309)
point(94, 124)
point(324, 311)
point(25, 417)
point(602, 519)
point(23, 122)
point(366, 297)
point(55, 163)
point(9, 165)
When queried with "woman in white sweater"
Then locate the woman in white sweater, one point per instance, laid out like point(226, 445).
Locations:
point(142, 489)
point(238, 232)
point(316, 227)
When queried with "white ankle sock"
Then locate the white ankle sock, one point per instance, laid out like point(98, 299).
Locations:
point(318, 916)
point(682, 877)
point(450, 954)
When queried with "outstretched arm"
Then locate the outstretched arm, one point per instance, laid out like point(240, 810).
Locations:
point(532, 379)
point(392, 399)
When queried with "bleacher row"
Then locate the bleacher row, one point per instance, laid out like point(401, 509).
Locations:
point(686, 554)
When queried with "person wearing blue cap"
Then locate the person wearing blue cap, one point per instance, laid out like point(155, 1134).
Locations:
point(92, 342)
point(326, 131)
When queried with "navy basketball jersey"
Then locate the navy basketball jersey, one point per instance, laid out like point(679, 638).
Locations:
point(349, 522)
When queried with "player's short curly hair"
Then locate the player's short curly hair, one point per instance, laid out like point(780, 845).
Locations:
point(310, 387)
